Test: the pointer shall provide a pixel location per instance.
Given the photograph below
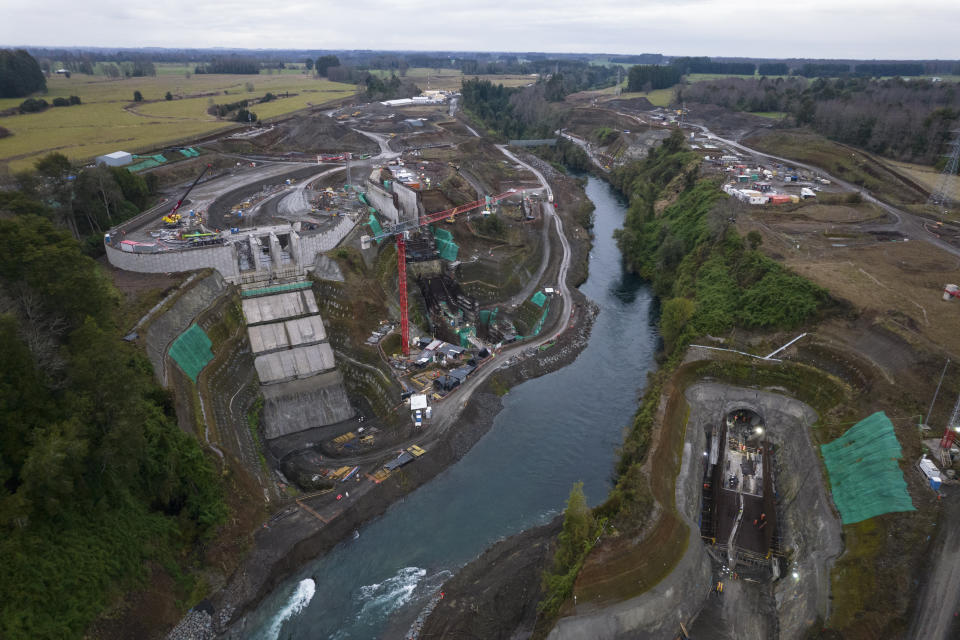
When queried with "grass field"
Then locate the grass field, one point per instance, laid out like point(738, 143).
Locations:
point(657, 97)
point(927, 177)
point(109, 120)
point(452, 79)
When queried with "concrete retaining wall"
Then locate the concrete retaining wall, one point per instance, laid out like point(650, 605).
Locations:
point(383, 202)
point(409, 200)
point(223, 258)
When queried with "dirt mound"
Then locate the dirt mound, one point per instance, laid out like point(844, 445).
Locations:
point(314, 133)
point(631, 104)
point(727, 123)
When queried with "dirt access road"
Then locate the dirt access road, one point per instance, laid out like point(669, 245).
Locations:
point(908, 224)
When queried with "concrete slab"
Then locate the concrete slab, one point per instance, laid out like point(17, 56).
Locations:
point(276, 336)
point(268, 337)
point(301, 362)
point(282, 306)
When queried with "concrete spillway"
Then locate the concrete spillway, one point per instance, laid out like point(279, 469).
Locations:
point(298, 378)
point(290, 407)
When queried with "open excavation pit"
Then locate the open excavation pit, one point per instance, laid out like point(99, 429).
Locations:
point(758, 465)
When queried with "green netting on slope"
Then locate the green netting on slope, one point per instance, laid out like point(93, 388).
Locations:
point(375, 227)
point(280, 288)
point(539, 298)
point(864, 475)
point(191, 351)
point(189, 152)
point(446, 247)
point(362, 198)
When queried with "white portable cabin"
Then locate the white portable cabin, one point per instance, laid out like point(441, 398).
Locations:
point(115, 159)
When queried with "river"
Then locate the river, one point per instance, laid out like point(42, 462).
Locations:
point(552, 432)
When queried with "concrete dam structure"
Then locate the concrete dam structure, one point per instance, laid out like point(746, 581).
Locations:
point(299, 381)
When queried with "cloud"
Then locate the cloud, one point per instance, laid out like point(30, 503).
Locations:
point(816, 28)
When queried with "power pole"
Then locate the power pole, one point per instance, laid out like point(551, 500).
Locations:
point(941, 196)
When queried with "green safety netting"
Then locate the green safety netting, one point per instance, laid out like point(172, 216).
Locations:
point(539, 298)
point(488, 317)
point(865, 478)
point(189, 152)
point(363, 198)
point(446, 247)
point(191, 351)
point(464, 334)
point(279, 288)
point(375, 227)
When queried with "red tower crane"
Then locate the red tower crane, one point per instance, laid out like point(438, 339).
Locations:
point(398, 232)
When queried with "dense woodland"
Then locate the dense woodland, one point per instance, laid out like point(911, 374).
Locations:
point(97, 481)
point(906, 120)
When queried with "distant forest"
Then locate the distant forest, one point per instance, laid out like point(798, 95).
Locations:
point(906, 120)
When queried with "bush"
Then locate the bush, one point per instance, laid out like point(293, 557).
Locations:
point(5, 133)
point(33, 105)
point(74, 100)
point(61, 102)
point(137, 96)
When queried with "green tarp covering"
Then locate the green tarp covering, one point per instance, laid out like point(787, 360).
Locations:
point(375, 227)
point(464, 334)
point(191, 351)
point(865, 478)
point(539, 298)
point(446, 247)
point(280, 288)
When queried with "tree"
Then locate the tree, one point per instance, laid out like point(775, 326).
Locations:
point(137, 96)
point(324, 63)
point(169, 96)
point(677, 312)
point(20, 74)
point(308, 63)
point(754, 239)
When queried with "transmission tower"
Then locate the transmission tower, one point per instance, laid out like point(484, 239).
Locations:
point(941, 197)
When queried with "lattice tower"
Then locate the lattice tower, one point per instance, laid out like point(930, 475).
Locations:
point(941, 197)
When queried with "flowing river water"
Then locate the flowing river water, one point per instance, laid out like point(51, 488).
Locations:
point(552, 432)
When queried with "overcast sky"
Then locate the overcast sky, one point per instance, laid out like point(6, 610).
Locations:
point(862, 29)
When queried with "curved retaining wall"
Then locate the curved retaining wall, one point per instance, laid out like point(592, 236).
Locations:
point(223, 258)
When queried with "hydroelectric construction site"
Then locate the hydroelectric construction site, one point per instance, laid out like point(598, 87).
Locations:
point(352, 315)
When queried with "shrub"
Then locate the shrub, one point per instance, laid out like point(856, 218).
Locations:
point(33, 105)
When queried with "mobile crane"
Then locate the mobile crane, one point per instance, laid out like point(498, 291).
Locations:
point(173, 218)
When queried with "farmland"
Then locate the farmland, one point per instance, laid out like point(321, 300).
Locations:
point(452, 79)
point(108, 119)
